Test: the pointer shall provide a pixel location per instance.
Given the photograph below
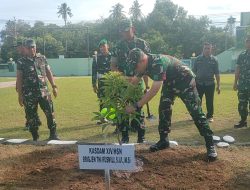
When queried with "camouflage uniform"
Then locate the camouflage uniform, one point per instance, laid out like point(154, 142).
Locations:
point(121, 52)
point(243, 63)
point(35, 91)
point(100, 66)
point(178, 81)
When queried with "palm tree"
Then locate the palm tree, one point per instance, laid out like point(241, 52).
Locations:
point(117, 12)
point(64, 11)
point(135, 11)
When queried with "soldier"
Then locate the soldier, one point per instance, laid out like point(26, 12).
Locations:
point(100, 66)
point(32, 74)
point(119, 63)
point(242, 84)
point(205, 68)
point(178, 81)
point(22, 52)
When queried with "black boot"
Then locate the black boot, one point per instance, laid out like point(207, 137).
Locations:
point(141, 136)
point(125, 137)
point(241, 124)
point(53, 134)
point(211, 151)
point(163, 143)
point(34, 133)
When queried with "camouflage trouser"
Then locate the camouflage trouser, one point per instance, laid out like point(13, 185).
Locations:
point(190, 98)
point(244, 102)
point(31, 101)
point(134, 125)
point(100, 92)
point(138, 124)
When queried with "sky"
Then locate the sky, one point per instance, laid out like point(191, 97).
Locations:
point(90, 10)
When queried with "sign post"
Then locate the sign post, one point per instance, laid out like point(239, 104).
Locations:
point(107, 157)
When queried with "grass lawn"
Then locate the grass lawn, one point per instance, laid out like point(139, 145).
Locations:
point(6, 79)
point(76, 102)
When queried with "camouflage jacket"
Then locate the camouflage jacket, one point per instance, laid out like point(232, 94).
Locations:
point(100, 66)
point(169, 69)
point(121, 51)
point(243, 63)
point(34, 74)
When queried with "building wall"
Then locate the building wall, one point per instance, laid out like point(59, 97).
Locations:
point(62, 67)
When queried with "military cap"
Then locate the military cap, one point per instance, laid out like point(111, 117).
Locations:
point(134, 57)
point(125, 24)
point(30, 43)
point(102, 42)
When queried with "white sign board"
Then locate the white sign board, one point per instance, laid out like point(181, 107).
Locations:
point(107, 157)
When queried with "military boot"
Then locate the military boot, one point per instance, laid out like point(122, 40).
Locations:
point(241, 124)
point(34, 133)
point(125, 137)
point(141, 136)
point(53, 134)
point(211, 151)
point(161, 144)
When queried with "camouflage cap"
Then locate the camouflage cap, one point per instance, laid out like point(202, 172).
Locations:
point(125, 24)
point(134, 57)
point(30, 43)
point(102, 42)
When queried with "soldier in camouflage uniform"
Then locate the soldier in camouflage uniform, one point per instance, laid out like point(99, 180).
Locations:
point(21, 50)
point(119, 63)
point(100, 66)
point(242, 84)
point(32, 74)
point(178, 81)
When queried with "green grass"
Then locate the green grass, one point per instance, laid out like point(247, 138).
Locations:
point(6, 79)
point(76, 102)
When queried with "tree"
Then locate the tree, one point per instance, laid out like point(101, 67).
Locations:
point(117, 12)
point(135, 11)
point(64, 11)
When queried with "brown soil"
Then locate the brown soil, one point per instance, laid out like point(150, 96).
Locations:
point(52, 167)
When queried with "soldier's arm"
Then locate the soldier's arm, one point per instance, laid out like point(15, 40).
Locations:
point(145, 78)
point(237, 73)
point(217, 76)
point(94, 71)
point(19, 83)
point(50, 77)
point(236, 78)
point(150, 94)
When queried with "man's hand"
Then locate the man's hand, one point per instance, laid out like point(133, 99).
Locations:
point(55, 91)
point(20, 100)
point(218, 89)
point(95, 89)
point(130, 109)
point(235, 87)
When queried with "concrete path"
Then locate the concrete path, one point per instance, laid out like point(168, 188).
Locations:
point(7, 84)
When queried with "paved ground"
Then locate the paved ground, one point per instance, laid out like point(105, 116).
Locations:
point(7, 84)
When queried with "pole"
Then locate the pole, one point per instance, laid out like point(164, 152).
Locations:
point(107, 171)
point(107, 179)
point(88, 50)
